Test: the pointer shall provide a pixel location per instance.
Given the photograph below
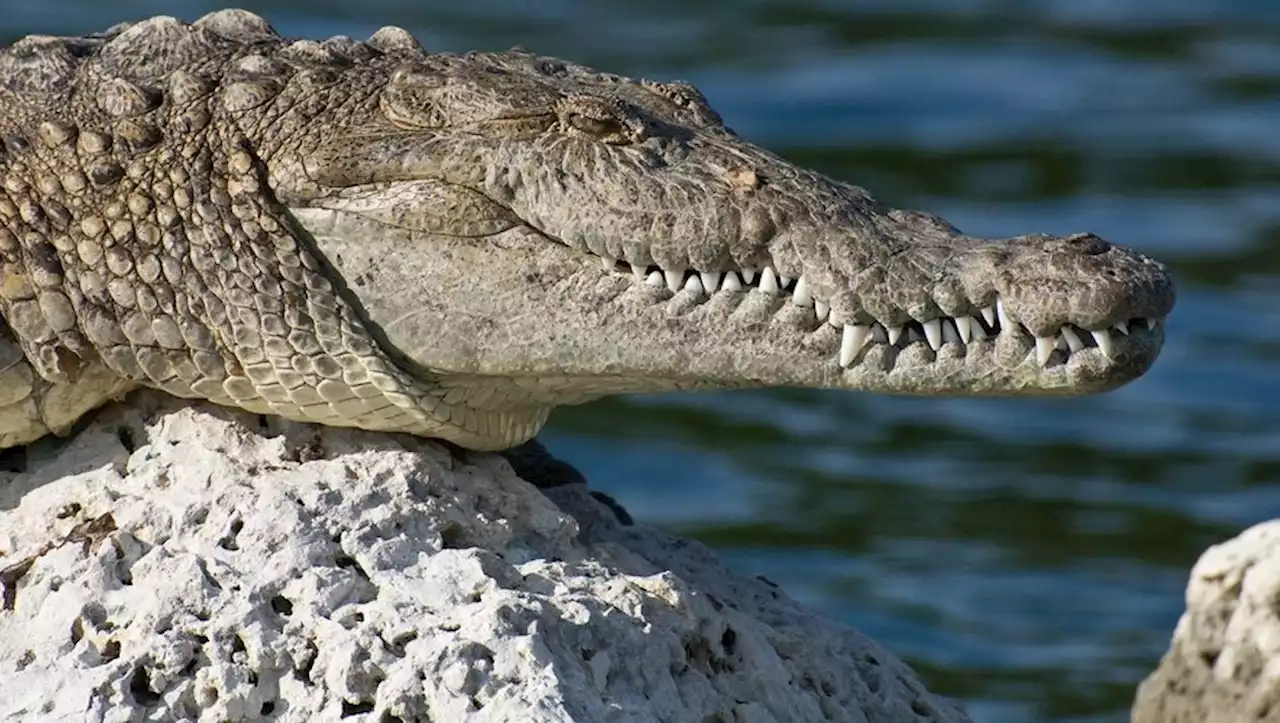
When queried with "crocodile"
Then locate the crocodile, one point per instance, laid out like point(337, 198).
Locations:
point(366, 234)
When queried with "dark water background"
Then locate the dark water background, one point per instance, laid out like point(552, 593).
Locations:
point(1028, 557)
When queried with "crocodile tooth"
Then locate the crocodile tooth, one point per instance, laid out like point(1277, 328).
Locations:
point(1006, 324)
point(979, 332)
point(1151, 324)
point(895, 333)
point(784, 281)
point(933, 333)
point(768, 281)
point(1122, 327)
point(655, 280)
point(989, 313)
point(1103, 337)
point(637, 271)
point(851, 342)
point(608, 263)
point(821, 310)
point(1061, 343)
point(675, 279)
point(711, 281)
point(694, 284)
point(802, 295)
point(1074, 342)
point(950, 335)
point(748, 275)
point(1044, 349)
point(731, 282)
point(963, 328)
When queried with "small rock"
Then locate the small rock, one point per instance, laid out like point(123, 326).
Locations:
point(1223, 665)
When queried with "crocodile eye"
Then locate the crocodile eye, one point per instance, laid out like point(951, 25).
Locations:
point(601, 119)
point(607, 129)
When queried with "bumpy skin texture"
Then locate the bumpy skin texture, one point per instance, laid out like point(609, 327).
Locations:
point(362, 234)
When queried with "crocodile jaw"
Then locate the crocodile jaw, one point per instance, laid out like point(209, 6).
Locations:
point(527, 322)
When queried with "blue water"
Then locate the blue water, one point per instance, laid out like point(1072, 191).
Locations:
point(1027, 557)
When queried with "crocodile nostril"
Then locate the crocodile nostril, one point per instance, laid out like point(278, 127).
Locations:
point(1088, 243)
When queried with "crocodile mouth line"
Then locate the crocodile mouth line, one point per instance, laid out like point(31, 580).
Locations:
point(988, 323)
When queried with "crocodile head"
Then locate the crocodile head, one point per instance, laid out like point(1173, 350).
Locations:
point(526, 232)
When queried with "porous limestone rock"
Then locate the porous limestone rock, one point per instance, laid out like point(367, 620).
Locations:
point(1223, 665)
point(190, 562)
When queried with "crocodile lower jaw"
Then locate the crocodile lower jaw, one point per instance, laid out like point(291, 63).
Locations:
point(925, 340)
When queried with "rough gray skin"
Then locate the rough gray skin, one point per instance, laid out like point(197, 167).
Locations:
point(362, 234)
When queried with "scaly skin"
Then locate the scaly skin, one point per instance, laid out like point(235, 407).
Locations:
point(361, 234)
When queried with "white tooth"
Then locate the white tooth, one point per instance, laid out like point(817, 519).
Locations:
point(979, 333)
point(784, 281)
point(950, 335)
point(1044, 349)
point(694, 283)
point(1061, 343)
point(608, 263)
point(655, 279)
point(731, 282)
point(933, 333)
point(1074, 342)
point(637, 271)
point(711, 280)
point(1006, 324)
point(768, 281)
point(895, 333)
point(802, 296)
point(675, 279)
point(851, 342)
point(989, 313)
point(1151, 324)
point(964, 329)
point(1122, 327)
point(748, 275)
point(1103, 337)
point(821, 310)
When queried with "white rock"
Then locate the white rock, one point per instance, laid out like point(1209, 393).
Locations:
point(1223, 665)
point(184, 562)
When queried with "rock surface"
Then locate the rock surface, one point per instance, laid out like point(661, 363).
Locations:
point(190, 562)
point(1223, 665)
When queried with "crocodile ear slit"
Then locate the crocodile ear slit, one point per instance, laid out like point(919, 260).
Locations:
point(348, 161)
point(425, 206)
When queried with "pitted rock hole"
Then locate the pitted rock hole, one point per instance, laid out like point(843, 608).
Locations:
point(228, 541)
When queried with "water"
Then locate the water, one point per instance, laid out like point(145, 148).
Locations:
point(1028, 557)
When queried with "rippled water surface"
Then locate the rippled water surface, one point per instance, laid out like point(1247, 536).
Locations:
point(1025, 556)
